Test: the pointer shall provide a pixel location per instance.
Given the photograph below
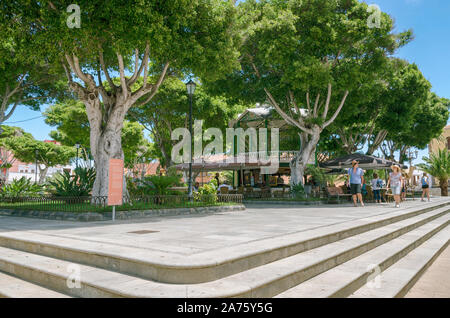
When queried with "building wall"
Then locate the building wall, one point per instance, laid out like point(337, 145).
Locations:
point(440, 143)
point(21, 169)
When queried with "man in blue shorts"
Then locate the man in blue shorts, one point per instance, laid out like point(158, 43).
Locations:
point(356, 180)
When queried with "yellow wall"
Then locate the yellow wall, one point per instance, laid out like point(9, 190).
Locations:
point(440, 143)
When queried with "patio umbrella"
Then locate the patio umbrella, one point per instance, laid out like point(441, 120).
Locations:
point(365, 162)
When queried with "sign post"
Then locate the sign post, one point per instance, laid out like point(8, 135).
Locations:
point(115, 185)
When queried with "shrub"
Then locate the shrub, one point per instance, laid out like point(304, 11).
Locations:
point(152, 185)
point(22, 187)
point(298, 191)
point(207, 193)
point(79, 184)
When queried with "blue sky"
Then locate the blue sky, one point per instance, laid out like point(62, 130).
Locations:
point(429, 19)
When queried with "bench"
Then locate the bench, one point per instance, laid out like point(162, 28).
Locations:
point(335, 192)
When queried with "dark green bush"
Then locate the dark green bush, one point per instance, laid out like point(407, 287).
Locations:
point(22, 187)
point(79, 184)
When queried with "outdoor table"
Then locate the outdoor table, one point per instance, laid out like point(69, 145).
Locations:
point(383, 192)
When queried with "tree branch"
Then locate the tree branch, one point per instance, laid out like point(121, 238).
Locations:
point(137, 72)
point(105, 69)
point(327, 103)
point(284, 115)
point(123, 81)
point(315, 105)
point(153, 88)
point(328, 123)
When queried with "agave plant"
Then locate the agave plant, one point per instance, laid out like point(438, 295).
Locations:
point(22, 187)
point(438, 165)
point(79, 184)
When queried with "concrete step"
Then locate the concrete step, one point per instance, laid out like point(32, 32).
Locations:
point(205, 266)
point(346, 278)
point(263, 281)
point(397, 280)
point(13, 287)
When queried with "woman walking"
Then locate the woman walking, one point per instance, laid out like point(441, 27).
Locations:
point(377, 184)
point(356, 180)
point(425, 186)
point(395, 182)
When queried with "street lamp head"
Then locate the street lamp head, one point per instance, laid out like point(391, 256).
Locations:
point(190, 86)
point(77, 145)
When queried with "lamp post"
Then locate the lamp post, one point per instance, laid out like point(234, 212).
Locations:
point(77, 145)
point(190, 86)
point(412, 155)
point(36, 153)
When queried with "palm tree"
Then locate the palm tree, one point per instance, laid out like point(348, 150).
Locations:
point(438, 165)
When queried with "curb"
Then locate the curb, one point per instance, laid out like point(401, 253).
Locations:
point(120, 215)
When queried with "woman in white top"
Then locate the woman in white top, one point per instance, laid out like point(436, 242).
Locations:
point(396, 182)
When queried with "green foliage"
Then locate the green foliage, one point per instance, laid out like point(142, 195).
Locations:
point(317, 174)
point(298, 191)
point(207, 193)
point(152, 185)
point(22, 187)
point(438, 165)
point(79, 184)
point(48, 153)
point(26, 77)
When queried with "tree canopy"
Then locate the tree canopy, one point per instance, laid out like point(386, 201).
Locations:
point(309, 54)
point(47, 154)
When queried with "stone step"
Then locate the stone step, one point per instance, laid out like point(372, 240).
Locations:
point(344, 279)
point(205, 266)
point(13, 287)
point(397, 280)
point(263, 281)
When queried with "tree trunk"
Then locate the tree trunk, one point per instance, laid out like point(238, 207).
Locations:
point(42, 174)
point(298, 164)
point(106, 144)
point(443, 184)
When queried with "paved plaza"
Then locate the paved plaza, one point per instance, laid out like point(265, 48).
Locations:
point(187, 235)
point(267, 250)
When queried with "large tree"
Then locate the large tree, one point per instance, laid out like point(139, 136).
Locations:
point(309, 54)
point(428, 122)
point(143, 42)
point(388, 106)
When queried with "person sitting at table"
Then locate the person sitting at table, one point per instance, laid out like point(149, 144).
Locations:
point(196, 187)
point(225, 185)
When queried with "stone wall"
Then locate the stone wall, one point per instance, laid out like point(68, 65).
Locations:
point(120, 215)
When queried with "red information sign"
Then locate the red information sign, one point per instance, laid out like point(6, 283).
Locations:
point(115, 187)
